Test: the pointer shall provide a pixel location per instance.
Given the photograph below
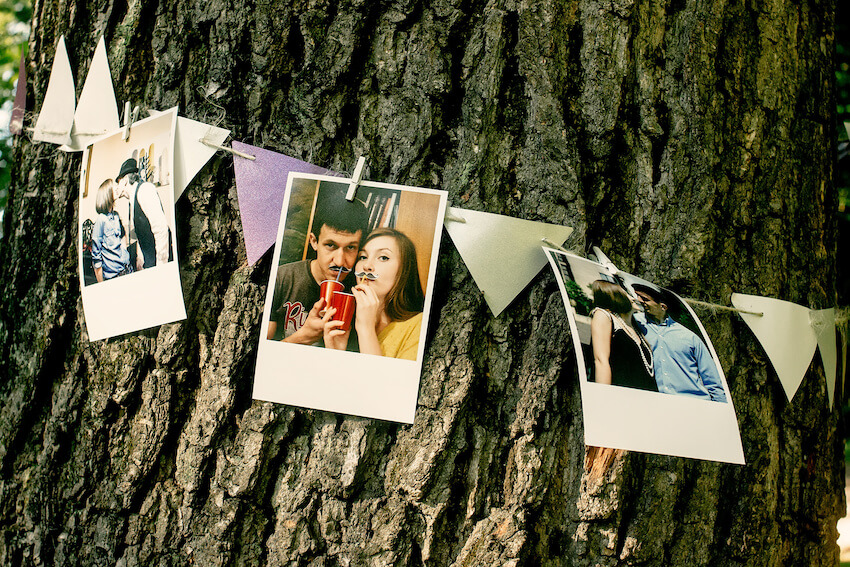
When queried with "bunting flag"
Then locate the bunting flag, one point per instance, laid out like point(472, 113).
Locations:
point(190, 154)
point(823, 323)
point(260, 188)
point(789, 334)
point(97, 111)
point(57, 110)
point(16, 124)
point(503, 254)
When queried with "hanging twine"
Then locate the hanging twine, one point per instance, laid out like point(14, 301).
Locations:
point(716, 307)
point(226, 149)
point(819, 324)
point(695, 302)
point(551, 244)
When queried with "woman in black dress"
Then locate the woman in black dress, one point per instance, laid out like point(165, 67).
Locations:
point(621, 355)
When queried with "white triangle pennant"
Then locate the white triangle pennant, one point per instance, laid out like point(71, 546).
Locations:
point(190, 153)
point(502, 253)
point(97, 111)
point(823, 323)
point(57, 110)
point(786, 334)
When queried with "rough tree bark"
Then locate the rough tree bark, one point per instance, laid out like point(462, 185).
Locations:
point(690, 139)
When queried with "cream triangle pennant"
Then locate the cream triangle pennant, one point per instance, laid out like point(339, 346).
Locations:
point(190, 153)
point(786, 334)
point(97, 110)
point(823, 323)
point(56, 116)
point(502, 253)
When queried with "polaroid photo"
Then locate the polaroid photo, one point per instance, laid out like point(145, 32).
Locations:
point(349, 297)
point(649, 376)
point(129, 276)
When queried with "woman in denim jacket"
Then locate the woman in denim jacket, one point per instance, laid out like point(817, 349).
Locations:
point(109, 254)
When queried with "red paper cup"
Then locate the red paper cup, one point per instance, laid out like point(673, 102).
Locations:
point(327, 290)
point(344, 305)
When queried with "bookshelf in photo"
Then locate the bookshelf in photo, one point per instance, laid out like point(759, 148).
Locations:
point(382, 205)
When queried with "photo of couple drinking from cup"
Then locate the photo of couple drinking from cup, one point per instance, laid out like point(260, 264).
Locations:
point(360, 286)
point(354, 278)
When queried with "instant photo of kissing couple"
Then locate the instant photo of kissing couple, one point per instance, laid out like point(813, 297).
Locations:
point(349, 296)
point(129, 277)
point(649, 376)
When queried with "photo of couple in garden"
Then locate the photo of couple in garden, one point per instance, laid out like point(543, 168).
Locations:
point(641, 334)
point(650, 378)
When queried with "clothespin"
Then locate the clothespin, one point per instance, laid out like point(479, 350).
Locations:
point(453, 217)
point(129, 119)
point(355, 179)
point(603, 259)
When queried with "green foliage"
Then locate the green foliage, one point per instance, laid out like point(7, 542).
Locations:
point(14, 21)
point(582, 303)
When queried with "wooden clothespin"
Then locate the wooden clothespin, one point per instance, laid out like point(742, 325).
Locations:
point(603, 259)
point(356, 177)
point(129, 119)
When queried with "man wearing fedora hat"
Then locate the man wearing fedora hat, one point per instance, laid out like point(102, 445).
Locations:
point(147, 217)
point(683, 364)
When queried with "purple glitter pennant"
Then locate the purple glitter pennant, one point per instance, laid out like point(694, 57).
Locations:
point(260, 188)
point(16, 125)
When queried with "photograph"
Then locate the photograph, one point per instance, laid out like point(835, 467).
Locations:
point(351, 290)
point(127, 238)
point(649, 376)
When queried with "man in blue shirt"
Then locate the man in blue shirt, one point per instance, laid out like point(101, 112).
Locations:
point(683, 364)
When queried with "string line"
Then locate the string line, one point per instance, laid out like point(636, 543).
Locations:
point(720, 307)
point(226, 149)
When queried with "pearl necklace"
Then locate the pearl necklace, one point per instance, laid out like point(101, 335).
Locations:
point(640, 341)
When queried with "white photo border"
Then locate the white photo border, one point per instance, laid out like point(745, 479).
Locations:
point(651, 422)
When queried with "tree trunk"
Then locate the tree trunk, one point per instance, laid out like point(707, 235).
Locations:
point(691, 140)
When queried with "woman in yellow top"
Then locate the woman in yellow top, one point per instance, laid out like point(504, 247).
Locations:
point(388, 297)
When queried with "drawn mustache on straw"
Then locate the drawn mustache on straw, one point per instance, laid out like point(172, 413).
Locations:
point(339, 269)
point(366, 275)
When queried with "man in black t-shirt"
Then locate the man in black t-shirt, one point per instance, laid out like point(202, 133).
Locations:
point(338, 229)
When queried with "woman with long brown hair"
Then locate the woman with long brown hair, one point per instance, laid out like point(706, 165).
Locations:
point(621, 355)
point(388, 297)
